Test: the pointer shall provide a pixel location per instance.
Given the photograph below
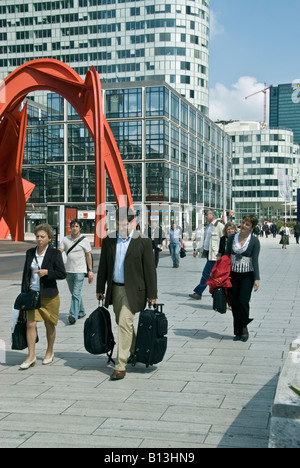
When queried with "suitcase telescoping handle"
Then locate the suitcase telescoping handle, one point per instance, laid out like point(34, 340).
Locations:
point(158, 307)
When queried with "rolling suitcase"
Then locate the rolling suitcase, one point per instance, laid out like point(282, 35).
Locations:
point(151, 342)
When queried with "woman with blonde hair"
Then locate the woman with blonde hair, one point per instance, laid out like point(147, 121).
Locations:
point(229, 228)
point(43, 266)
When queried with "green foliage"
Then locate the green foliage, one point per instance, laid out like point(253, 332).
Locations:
point(295, 390)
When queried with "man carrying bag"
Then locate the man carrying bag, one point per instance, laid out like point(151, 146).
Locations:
point(127, 272)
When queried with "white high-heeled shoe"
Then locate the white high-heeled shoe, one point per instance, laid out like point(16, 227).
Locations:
point(26, 365)
point(48, 361)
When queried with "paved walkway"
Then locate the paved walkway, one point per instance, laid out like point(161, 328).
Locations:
point(208, 392)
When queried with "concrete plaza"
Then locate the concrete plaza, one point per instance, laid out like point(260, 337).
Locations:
point(208, 392)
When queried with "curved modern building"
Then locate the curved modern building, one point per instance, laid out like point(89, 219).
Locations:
point(153, 62)
point(125, 40)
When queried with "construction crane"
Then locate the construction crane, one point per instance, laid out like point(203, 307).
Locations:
point(265, 100)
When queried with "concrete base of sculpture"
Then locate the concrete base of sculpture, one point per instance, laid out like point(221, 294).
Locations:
point(285, 416)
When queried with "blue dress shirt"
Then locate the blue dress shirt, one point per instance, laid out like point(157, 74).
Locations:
point(122, 246)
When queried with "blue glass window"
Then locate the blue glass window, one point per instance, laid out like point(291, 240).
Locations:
point(157, 101)
point(128, 136)
point(124, 103)
point(157, 139)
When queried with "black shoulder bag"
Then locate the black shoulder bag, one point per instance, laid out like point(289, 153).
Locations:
point(28, 300)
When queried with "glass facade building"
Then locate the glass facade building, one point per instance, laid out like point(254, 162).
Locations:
point(125, 40)
point(173, 154)
point(285, 108)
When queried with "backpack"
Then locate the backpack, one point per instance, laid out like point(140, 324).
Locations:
point(98, 335)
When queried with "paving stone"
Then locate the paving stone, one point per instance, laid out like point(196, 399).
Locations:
point(208, 392)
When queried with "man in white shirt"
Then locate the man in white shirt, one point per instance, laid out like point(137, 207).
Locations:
point(212, 236)
point(79, 263)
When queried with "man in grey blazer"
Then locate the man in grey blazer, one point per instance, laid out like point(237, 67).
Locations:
point(127, 272)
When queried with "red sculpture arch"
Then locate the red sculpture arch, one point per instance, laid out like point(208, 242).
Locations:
point(86, 98)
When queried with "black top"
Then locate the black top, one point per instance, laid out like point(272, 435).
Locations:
point(52, 262)
point(252, 252)
point(223, 244)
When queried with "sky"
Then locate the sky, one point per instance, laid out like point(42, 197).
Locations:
point(252, 42)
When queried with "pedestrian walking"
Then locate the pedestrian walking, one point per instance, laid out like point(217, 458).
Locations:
point(212, 236)
point(297, 232)
point(285, 235)
point(175, 243)
point(43, 266)
point(78, 265)
point(198, 240)
point(229, 228)
point(274, 229)
point(156, 234)
point(266, 229)
point(127, 280)
point(244, 249)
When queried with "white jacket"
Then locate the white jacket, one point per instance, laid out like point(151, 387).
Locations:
point(214, 241)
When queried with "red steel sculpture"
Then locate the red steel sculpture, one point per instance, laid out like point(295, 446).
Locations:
point(86, 98)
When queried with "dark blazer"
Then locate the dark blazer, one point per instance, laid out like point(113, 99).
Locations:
point(252, 251)
point(158, 237)
point(139, 271)
point(52, 262)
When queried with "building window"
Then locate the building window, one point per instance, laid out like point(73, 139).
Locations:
point(80, 143)
point(174, 108)
point(157, 101)
point(174, 144)
point(157, 139)
point(155, 175)
point(184, 160)
point(124, 103)
point(81, 183)
point(55, 107)
point(134, 176)
point(184, 186)
point(165, 37)
point(174, 184)
point(55, 143)
point(128, 136)
point(184, 79)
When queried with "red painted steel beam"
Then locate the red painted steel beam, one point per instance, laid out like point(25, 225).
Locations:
point(86, 98)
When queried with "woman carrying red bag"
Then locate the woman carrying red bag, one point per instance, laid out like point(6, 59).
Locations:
point(244, 248)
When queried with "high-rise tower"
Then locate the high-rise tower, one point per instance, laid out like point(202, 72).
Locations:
point(125, 40)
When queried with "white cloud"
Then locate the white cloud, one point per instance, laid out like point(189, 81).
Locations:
point(230, 103)
point(215, 27)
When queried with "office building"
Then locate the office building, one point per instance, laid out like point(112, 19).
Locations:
point(285, 108)
point(265, 171)
point(126, 41)
point(178, 162)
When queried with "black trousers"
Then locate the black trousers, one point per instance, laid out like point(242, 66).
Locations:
point(240, 295)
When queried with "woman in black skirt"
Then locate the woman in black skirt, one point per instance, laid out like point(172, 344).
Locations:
point(244, 249)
